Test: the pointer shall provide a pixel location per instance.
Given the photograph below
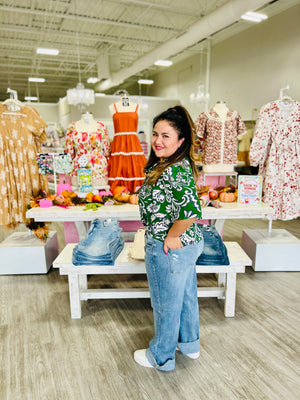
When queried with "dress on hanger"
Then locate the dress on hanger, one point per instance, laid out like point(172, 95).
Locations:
point(276, 149)
point(219, 137)
point(21, 134)
point(127, 160)
point(94, 145)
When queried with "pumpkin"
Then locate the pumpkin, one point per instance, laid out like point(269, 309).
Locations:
point(133, 199)
point(227, 197)
point(121, 193)
point(63, 186)
point(45, 203)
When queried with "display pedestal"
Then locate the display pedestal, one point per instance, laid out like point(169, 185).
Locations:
point(277, 250)
point(24, 253)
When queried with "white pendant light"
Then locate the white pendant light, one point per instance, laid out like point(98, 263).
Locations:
point(80, 96)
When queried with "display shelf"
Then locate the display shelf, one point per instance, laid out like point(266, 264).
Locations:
point(232, 177)
point(24, 253)
point(275, 251)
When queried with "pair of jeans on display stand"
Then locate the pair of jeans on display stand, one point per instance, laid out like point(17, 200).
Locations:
point(102, 245)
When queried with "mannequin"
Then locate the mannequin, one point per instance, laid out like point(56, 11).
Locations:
point(89, 137)
point(221, 109)
point(87, 123)
point(127, 160)
point(124, 105)
point(219, 129)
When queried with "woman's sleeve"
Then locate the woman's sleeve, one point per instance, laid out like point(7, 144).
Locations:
point(182, 194)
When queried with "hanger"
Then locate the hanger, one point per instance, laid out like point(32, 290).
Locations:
point(284, 97)
point(12, 104)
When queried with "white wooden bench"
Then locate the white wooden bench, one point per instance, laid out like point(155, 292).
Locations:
point(124, 264)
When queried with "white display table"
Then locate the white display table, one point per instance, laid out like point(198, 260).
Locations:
point(130, 212)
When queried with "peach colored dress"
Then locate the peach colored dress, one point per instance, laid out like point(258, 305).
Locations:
point(127, 159)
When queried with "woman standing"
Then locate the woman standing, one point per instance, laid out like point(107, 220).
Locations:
point(169, 207)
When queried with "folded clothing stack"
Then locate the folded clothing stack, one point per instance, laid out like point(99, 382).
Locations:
point(102, 245)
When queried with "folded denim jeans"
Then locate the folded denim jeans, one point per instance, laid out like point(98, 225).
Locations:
point(102, 245)
point(214, 251)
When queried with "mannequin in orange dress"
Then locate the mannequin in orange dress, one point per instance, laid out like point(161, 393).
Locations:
point(127, 160)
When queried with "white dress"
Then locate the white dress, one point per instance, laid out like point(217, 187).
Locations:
point(276, 149)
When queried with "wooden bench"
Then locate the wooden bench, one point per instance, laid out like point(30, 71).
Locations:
point(124, 264)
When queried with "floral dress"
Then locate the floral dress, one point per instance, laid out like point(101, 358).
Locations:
point(173, 197)
point(21, 134)
point(276, 149)
point(95, 146)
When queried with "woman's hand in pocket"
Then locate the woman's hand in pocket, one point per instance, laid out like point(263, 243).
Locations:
point(172, 243)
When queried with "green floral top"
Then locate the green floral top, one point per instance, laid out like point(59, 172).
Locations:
point(173, 197)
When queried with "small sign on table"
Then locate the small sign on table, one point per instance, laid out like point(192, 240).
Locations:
point(249, 189)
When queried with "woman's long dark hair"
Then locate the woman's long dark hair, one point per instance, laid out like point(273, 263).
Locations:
point(179, 118)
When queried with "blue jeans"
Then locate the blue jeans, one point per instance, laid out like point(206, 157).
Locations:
point(173, 289)
point(214, 251)
point(101, 246)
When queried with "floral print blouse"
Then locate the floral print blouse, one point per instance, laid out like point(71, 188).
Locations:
point(95, 146)
point(173, 197)
point(219, 137)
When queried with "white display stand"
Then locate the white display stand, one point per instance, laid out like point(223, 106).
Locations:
point(24, 253)
point(278, 250)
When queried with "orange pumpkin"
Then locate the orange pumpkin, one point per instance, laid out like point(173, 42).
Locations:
point(121, 193)
point(227, 197)
point(133, 199)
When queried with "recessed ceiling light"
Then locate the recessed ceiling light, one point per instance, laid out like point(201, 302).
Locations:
point(41, 80)
point(92, 80)
point(254, 17)
point(145, 81)
point(163, 63)
point(100, 94)
point(50, 52)
point(31, 98)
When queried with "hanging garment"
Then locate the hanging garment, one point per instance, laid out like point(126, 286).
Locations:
point(94, 145)
point(276, 149)
point(21, 134)
point(127, 160)
point(219, 145)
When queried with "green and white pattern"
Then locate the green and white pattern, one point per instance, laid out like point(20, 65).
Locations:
point(173, 197)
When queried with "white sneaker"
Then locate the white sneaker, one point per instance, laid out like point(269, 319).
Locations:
point(194, 356)
point(140, 357)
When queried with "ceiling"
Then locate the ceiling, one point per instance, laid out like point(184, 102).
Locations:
point(103, 37)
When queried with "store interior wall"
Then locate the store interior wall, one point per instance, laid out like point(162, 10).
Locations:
point(247, 70)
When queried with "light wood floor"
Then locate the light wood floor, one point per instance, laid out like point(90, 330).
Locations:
point(46, 355)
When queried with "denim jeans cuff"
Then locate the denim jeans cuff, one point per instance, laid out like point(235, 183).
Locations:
point(190, 347)
point(167, 366)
